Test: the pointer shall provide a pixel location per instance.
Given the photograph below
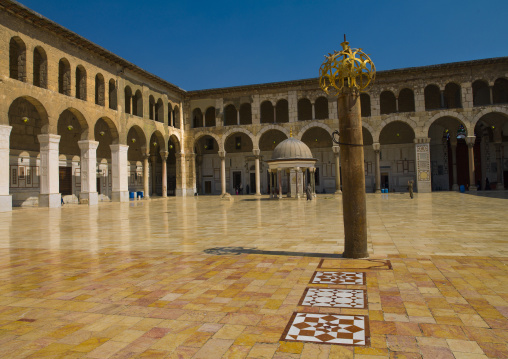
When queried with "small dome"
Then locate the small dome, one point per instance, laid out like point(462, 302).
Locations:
point(291, 148)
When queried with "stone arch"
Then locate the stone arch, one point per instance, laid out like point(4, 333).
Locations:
point(316, 141)
point(452, 95)
point(387, 137)
point(304, 109)
point(266, 112)
point(373, 134)
point(245, 114)
point(197, 118)
point(268, 128)
point(136, 140)
point(387, 102)
point(406, 100)
point(26, 112)
point(365, 104)
point(310, 125)
point(479, 115)
point(282, 111)
point(210, 117)
point(432, 96)
point(239, 141)
point(137, 104)
point(72, 127)
point(176, 117)
point(113, 98)
point(170, 115)
point(106, 133)
point(321, 108)
point(40, 69)
point(157, 143)
point(128, 98)
point(269, 146)
point(481, 93)
point(100, 90)
point(64, 77)
point(17, 59)
point(80, 82)
point(230, 115)
point(159, 111)
point(500, 91)
point(460, 117)
point(175, 141)
point(233, 130)
point(391, 119)
point(200, 134)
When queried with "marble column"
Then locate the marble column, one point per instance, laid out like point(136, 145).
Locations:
point(120, 173)
point(336, 152)
point(164, 156)
point(423, 170)
point(256, 153)
point(313, 181)
point(377, 166)
point(279, 182)
point(470, 140)
point(146, 171)
point(154, 163)
point(49, 195)
point(89, 172)
point(222, 155)
point(313, 111)
point(453, 144)
point(5, 197)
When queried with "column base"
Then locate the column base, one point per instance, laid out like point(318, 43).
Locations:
point(90, 198)
point(455, 187)
point(52, 200)
point(378, 191)
point(472, 189)
point(258, 194)
point(6, 203)
point(121, 196)
point(355, 255)
point(338, 192)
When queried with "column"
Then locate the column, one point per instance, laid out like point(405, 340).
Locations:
point(275, 113)
point(5, 197)
point(222, 155)
point(238, 116)
point(270, 185)
point(279, 181)
point(423, 170)
point(49, 195)
point(470, 140)
point(154, 162)
point(258, 185)
point(164, 156)
point(491, 98)
point(88, 172)
point(336, 151)
point(313, 181)
point(453, 144)
point(313, 111)
point(145, 175)
point(181, 185)
point(499, 160)
point(377, 152)
point(120, 179)
point(132, 102)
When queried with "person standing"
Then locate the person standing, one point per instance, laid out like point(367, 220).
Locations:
point(308, 191)
point(410, 188)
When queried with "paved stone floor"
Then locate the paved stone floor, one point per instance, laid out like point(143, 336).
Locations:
point(135, 280)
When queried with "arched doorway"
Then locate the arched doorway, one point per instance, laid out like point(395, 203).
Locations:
point(208, 180)
point(320, 143)
point(242, 176)
point(135, 156)
point(267, 143)
point(106, 134)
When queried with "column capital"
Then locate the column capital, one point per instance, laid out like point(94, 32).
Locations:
point(421, 140)
point(5, 132)
point(164, 155)
point(470, 140)
point(222, 154)
point(119, 147)
point(376, 146)
point(256, 152)
point(336, 149)
point(48, 138)
point(88, 145)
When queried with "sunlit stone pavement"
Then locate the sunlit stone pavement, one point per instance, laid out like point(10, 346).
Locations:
point(129, 280)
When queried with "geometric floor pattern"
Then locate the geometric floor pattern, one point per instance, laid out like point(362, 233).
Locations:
point(327, 329)
point(364, 264)
point(346, 278)
point(334, 298)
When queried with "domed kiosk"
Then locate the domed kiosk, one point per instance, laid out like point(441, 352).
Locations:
point(295, 158)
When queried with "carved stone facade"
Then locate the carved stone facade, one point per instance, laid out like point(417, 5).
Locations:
point(58, 89)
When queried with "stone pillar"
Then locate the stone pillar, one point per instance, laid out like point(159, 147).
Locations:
point(181, 185)
point(470, 140)
point(279, 182)
point(222, 155)
point(423, 174)
point(146, 171)
point(154, 163)
point(491, 97)
point(499, 160)
point(238, 117)
point(270, 184)
point(336, 151)
point(89, 172)
point(377, 152)
point(164, 156)
point(275, 113)
point(49, 195)
point(313, 181)
point(5, 197)
point(120, 180)
point(313, 111)
point(352, 159)
point(258, 182)
point(453, 144)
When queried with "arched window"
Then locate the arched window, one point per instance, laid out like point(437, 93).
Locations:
point(40, 68)
point(230, 115)
point(159, 111)
point(128, 99)
point(432, 96)
point(321, 108)
point(387, 102)
point(304, 109)
point(481, 93)
point(406, 100)
point(266, 112)
point(452, 96)
point(137, 103)
point(170, 112)
point(81, 83)
point(100, 95)
point(64, 77)
point(282, 111)
point(176, 117)
point(245, 114)
point(210, 117)
point(151, 106)
point(500, 91)
point(112, 95)
point(197, 118)
point(365, 104)
point(17, 59)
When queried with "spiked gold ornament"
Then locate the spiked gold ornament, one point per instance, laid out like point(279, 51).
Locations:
point(349, 68)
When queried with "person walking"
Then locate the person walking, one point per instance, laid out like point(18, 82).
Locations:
point(410, 188)
point(308, 191)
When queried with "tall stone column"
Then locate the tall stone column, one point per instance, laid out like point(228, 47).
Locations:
point(423, 170)
point(470, 140)
point(313, 111)
point(49, 195)
point(336, 151)
point(5, 197)
point(453, 144)
point(222, 155)
point(279, 182)
point(499, 160)
point(377, 152)
point(313, 181)
point(181, 185)
point(146, 171)
point(154, 163)
point(258, 182)
point(89, 172)
point(352, 158)
point(119, 169)
point(164, 156)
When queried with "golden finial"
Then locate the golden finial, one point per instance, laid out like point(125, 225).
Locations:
point(291, 132)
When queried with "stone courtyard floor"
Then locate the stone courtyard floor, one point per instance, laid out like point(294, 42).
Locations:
point(203, 278)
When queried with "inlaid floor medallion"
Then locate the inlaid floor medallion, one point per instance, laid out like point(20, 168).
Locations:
point(334, 277)
point(334, 298)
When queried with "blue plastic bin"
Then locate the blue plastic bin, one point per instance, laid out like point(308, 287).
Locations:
point(132, 195)
point(462, 188)
point(140, 194)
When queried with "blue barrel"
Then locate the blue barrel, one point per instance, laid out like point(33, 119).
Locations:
point(140, 194)
point(132, 195)
point(462, 188)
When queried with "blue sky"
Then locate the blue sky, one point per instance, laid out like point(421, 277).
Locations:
point(209, 44)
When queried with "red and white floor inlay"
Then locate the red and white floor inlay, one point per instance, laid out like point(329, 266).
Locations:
point(327, 329)
point(335, 298)
point(352, 278)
